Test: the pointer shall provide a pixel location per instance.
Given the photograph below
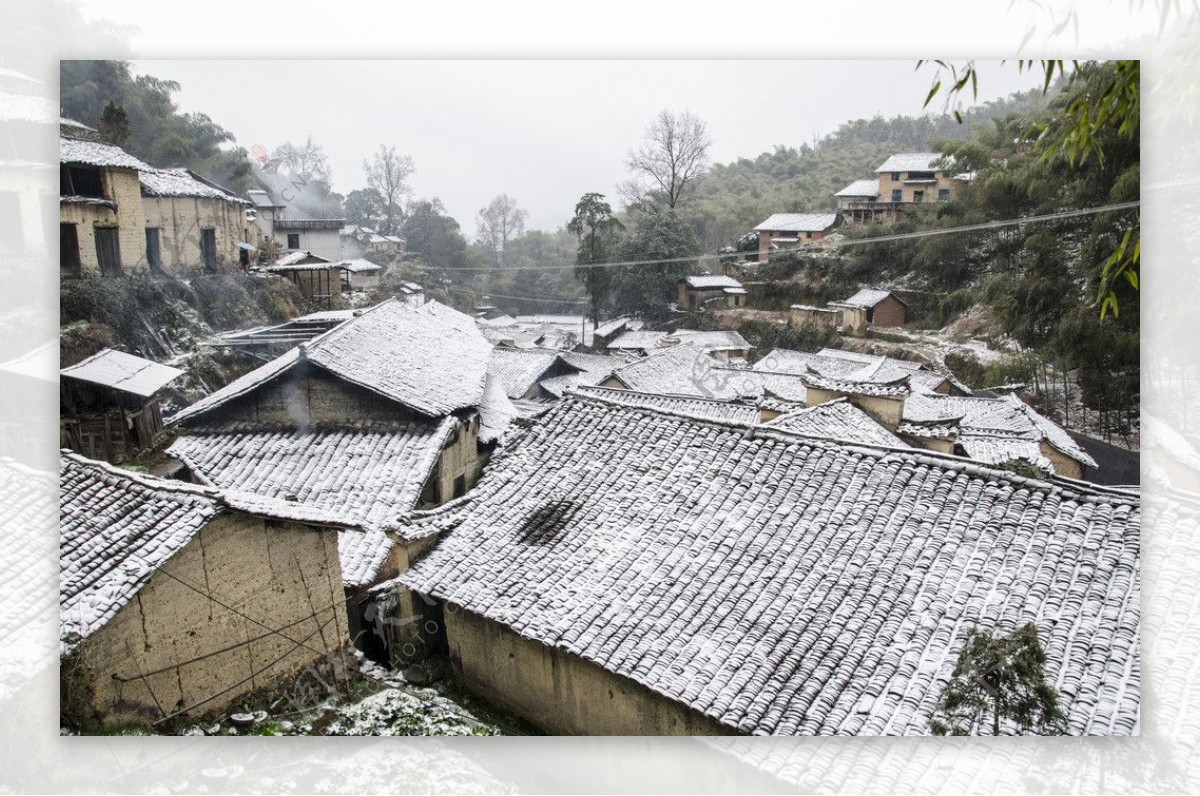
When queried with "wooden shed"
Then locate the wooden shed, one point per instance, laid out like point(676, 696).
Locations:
point(109, 404)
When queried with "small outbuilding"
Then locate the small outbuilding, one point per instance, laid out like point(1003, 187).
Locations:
point(110, 405)
point(878, 308)
point(697, 291)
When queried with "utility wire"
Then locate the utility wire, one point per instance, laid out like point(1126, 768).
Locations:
point(1008, 222)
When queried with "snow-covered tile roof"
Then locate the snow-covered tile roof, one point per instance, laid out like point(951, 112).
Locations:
point(519, 369)
point(714, 341)
point(737, 382)
point(711, 282)
point(897, 387)
point(261, 198)
point(910, 161)
point(361, 475)
point(738, 413)
point(867, 298)
point(182, 182)
point(1052, 432)
point(299, 257)
point(798, 222)
point(124, 372)
point(593, 369)
point(430, 358)
point(789, 586)
point(867, 188)
point(94, 153)
point(497, 411)
point(358, 266)
point(362, 555)
point(999, 450)
point(680, 370)
point(837, 420)
point(116, 529)
point(637, 341)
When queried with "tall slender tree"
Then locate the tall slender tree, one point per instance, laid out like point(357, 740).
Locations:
point(498, 223)
point(594, 225)
point(672, 158)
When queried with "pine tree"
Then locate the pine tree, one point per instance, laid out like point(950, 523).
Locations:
point(1000, 679)
point(114, 125)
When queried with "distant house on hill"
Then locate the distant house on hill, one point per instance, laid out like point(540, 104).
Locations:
point(167, 590)
point(903, 180)
point(321, 236)
point(866, 308)
point(110, 407)
point(787, 231)
point(698, 291)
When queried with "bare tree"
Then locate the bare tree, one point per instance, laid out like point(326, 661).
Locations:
point(498, 223)
point(307, 160)
point(672, 157)
point(388, 173)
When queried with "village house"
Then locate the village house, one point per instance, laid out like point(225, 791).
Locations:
point(110, 405)
point(871, 308)
point(359, 274)
point(697, 292)
point(385, 412)
point(632, 570)
point(178, 601)
point(916, 178)
point(119, 216)
point(790, 231)
point(320, 236)
point(858, 203)
point(317, 279)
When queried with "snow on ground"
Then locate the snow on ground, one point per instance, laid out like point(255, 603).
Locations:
point(407, 711)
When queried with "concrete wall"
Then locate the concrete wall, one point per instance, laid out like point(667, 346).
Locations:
point(122, 187)
point(325, 243)
point(180, 220)
point(172, 648)
point(558, 692)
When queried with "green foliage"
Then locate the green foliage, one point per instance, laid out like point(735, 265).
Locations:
point(113, 126)
point(998, 684)
point(967, 369)
point(596, 228)
point(438, 239)
point(646, 290)
point(158, 133)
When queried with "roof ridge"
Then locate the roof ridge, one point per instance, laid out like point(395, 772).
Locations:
point(157, 483)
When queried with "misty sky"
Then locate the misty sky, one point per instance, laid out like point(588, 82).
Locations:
point(543, 132)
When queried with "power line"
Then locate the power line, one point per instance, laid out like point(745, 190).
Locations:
point(1008, 222)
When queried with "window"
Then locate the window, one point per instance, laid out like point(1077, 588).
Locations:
point(808, 235)
point(943, 194)
point(896, 195)
point(80, 181)
point(153, 249)
point(918, 196)
point(293, 240)
point(108, 251)
point(68, 250)
point(208, 249)
point(460, 486)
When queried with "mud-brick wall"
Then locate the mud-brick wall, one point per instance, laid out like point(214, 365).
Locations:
point(180, 219)
point(122, 187)
point(307, 394)
point(460, 457)
point(198, 635)
point(886, 410)
point(558, 692)
point(887, 313)
point(1064, 465)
